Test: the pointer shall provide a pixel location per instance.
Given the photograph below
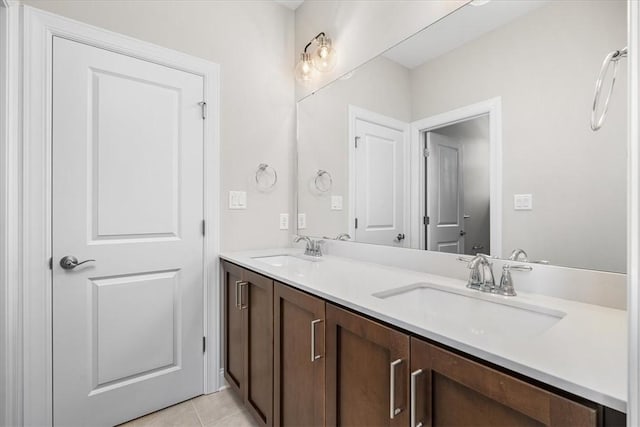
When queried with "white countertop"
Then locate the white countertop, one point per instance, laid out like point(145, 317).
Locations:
point(584, 353)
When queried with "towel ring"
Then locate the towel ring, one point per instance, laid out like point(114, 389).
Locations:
point(268, 174)
point(320, 181)
point(612, 57)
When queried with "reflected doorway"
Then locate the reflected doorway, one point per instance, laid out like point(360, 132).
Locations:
point(457, 187)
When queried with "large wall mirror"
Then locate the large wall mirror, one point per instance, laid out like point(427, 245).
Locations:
point(474, 136)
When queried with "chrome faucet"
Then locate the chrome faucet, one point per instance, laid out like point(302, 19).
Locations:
point(506, 282)
point(313, 246)
point(481, 276)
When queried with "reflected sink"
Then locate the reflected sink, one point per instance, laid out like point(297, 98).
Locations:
point(473, 311)
point(286, 260)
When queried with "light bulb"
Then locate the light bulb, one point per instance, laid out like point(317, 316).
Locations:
point(324, 58)
point(304, 70)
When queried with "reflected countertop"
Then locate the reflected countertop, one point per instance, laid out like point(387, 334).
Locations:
point(584, 353)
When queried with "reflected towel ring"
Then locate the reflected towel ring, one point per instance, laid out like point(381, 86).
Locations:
point(266, 177)
point(612, 57)
point(321, 179)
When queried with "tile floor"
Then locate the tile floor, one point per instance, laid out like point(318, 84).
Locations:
point(213, 410)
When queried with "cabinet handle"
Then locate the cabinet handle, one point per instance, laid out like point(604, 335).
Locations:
point(237, 290)
point(243, 285)
point(414, 377)
point(314, 356)
point(393, 411)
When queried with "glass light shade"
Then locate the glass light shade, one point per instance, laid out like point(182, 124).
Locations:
point(304, 71)
point(325, 57)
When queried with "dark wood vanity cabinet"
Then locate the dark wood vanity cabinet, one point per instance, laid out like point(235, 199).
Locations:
point(248, 339)
point(367, 372)
point(450, 390)
point(299, 358)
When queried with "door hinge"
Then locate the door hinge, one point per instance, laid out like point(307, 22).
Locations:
point(203, 106)
point(203, 227)
point(50, 263)
point(426, 152)
point(357, 140)
point(204, 344)
point(425, 220)
point(356, 222)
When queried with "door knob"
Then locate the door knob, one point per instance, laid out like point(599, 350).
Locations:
point(400, 237)
point(70, 262)
point(462, 232)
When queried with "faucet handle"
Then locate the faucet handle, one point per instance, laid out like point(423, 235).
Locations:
point(517, 267)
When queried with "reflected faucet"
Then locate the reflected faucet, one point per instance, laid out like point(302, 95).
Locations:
point(519, 255)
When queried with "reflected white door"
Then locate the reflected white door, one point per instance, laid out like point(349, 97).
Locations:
point(127, 193)
point(445, 194)
point(379, 190)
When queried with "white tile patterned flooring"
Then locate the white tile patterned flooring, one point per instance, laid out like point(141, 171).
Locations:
point(214, 410)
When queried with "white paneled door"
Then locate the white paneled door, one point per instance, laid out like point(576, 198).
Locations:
point(380, 185)
point(445, 194)
point(128, 196)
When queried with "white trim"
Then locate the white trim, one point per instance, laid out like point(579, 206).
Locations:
point(39, 29)
point(358, 113)
point(492, 107)
point(10, 213)
point(633, 209)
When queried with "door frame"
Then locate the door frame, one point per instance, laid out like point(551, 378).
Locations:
point(493, 109)
point(358, 113)
point(30, 287)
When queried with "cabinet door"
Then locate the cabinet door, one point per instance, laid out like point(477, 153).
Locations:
point(367, 372)
point(257, 298)
point(453, 390)
point(299, 360)
point(233, 330)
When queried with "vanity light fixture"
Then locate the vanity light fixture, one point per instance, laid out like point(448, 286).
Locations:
point(323, 59)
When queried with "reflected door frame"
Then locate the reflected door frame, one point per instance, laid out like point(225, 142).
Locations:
point(358, 113)
point(31, 382)
point(491, 108)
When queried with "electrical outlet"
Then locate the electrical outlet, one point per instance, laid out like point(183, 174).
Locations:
point(336, 203)
point(523, 202)
point(284, 221)
point(237, 200)
point(302, 221)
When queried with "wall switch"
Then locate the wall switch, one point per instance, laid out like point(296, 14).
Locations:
point(523, 202)
point(284, 221)
point(237, 200)
point(302, 221)
point(336, 203)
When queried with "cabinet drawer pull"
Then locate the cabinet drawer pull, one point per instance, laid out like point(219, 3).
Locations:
point(243, 285)
point(314, 356)
point(238, 282)
point(414, 377)
point(393, 411)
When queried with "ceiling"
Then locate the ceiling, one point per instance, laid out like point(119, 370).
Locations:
point(291, 4)
point(462, 26)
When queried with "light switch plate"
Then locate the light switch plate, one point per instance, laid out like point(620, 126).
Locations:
point(523, 202)
point(284, 221)
point(302, 221)
point(237, 200)
point(336, 203)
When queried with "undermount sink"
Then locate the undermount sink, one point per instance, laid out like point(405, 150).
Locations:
point(286, 260)
point(477, 313)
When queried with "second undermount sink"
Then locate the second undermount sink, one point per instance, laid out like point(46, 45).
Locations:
point(477, 313)
point(286, 260)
